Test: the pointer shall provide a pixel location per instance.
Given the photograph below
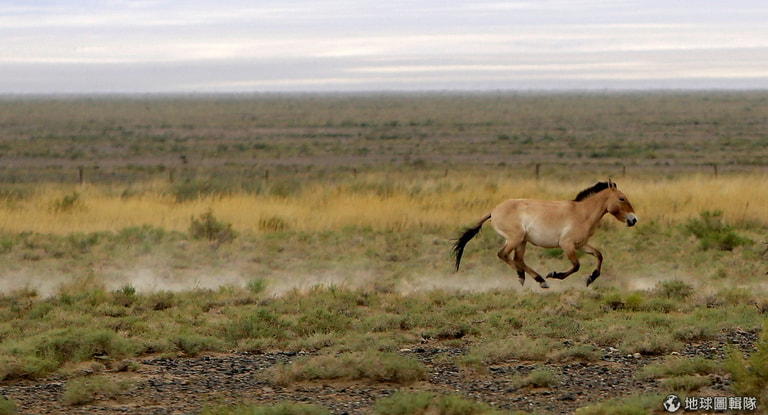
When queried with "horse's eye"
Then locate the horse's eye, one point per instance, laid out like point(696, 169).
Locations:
point(621, 199)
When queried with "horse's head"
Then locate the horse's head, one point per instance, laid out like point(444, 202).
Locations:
point(618, 205)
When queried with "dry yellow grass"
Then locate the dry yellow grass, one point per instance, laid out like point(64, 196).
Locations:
point(377, 201)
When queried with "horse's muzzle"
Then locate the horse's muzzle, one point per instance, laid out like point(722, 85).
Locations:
point(631, 219)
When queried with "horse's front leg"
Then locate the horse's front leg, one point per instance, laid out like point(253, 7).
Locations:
point(594, 252)
point(570, 253)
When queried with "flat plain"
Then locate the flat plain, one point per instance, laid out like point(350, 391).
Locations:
point(291, 253)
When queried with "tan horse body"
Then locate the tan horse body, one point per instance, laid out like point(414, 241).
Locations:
point(551, 224)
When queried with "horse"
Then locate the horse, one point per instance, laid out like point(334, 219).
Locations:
point(551, 224)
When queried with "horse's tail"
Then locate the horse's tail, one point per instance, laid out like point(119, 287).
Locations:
point(469, 233)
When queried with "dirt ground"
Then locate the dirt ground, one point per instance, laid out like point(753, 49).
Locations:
point(164, 386)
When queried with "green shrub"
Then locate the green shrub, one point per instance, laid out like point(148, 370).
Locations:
point(192, 344)
point(261, 323)
point(713, 233)
point(675, 289)
point(687, 383)
point(80, 391)
point(404, 403)
point(208, 227)
point(256, 285)
point(633, 405)
point(580, 352)
point(26, 366)
point(372, 365)
point(750, 375)
point(538, 378)
point(7, 407)
point(502, 350)
point(42, 354)
point(322, 321)
point(67, 203)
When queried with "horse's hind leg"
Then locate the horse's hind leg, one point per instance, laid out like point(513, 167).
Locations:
point(504, 253)
point(518, 263)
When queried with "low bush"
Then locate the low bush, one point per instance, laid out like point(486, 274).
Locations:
point(373, 365)
point(538, 378)
point(750, 374)
point(7, 406)
point(67, 203)
point(687, 383)
point(713, 233)
point(206, 226)
point(633, 405)
point(500, 351)
point(680, 366)
point(80, 391)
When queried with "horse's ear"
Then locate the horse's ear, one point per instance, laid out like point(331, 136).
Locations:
point(611, 184)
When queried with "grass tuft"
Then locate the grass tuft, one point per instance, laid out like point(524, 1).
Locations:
point(7, 406)
point(750, 375)
point(372, 365)
point(206, 226)
point(713, 233)
point(81, 391)
point(423, 403)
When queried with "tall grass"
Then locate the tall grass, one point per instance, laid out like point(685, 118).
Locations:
point(379, 201)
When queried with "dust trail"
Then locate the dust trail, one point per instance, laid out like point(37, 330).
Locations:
point(45, 286)
point(153, 277)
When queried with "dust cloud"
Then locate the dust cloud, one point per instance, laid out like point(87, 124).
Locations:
point(146, 279)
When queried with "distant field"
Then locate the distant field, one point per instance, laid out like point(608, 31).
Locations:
point(314, 232)
point(240, 140)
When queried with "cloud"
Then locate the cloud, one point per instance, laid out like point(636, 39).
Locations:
point(138, 46)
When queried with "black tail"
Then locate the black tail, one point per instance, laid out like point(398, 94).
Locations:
point(469, 233)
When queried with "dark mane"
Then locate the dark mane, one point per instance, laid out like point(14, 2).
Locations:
point(597, 188)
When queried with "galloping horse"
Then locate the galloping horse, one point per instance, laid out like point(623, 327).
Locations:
point(552, 224)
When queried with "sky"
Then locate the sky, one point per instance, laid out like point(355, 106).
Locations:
point(199, 46)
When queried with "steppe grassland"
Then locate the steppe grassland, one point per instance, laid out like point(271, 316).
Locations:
point(413, 171)
point(391, 201)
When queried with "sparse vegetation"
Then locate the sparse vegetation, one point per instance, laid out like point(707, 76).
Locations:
point(80, 391)
point(206, 226)
point(750, 374)
point(713, 233)
point(538, 378)
point(373, 366)
point(7, 407)
point(404, 403)
point(331, 233)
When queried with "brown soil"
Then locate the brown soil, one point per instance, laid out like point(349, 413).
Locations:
point(185, 385)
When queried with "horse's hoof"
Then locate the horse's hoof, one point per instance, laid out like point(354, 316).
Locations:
point(552, 274)
point(522, 281)
point(544, 285)
point(592, 278)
